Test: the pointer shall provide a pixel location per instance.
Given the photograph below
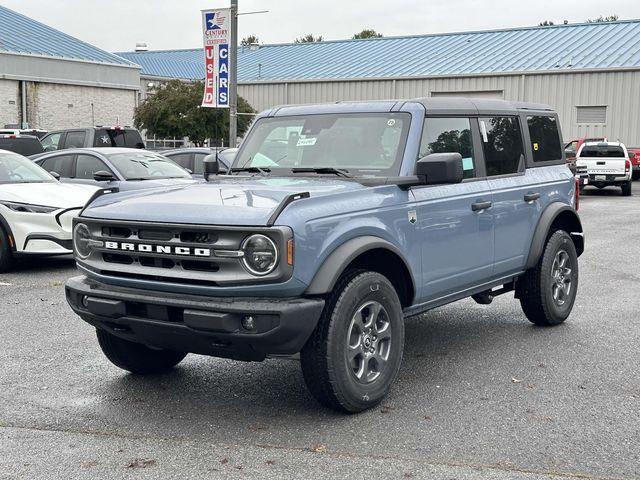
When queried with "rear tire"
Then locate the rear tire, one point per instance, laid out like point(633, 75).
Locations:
point(6, 255)
point(626, 189)
point(136, 357)
point(354, 354)
point(547, 291)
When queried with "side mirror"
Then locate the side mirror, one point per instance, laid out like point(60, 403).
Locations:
point(55, 175)
point(103, 176)
point(210, 166)
point(440, 168)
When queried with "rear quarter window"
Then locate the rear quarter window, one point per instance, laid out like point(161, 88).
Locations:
point(545, 138)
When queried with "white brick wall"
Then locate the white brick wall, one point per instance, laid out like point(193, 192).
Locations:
point(55, 106)
point(9, 102)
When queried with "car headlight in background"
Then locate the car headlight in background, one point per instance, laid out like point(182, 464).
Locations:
point(260, 254)
point(27, 208)
point(83, 244)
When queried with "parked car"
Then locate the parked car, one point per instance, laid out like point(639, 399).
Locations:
point(191, 158)
point(36, 210)
point(23, 144)
point(373, 212)
point(634, 156)
point(93, 137)
point(125, 168)
point(15, 129)
point(571, 148)
point(607, 164)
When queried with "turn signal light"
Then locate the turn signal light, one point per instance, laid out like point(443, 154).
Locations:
point(290, 251)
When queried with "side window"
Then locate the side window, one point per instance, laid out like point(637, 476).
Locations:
point(88, 165)
point(441, 135)
point(75, 140)
point(61, 164)
point(545, 140)
point(50, 142)
point(182, 159)
point(502, 145)
point(197, 163)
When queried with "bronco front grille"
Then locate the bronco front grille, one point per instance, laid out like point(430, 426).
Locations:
point(182, 254)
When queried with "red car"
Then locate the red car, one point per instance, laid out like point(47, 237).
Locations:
point(634, 156)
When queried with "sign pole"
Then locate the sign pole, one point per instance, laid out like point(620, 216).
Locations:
point(233, 75)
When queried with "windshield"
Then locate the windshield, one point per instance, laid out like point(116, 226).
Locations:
point(146, 166)
point(368, 144)
point(15, 168)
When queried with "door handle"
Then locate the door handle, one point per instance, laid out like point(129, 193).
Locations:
point(531, 197)
point(478, 206)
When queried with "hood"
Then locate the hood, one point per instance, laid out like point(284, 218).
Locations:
point(53, 194)
point(225, 201)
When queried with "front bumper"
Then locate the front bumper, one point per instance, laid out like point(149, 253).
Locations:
point(197, 324)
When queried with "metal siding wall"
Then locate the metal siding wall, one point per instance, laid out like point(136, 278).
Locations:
point(619, 91)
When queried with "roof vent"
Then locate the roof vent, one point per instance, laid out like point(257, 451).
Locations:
point(254, 46)
point(142, 47)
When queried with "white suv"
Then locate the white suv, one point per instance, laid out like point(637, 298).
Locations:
point(36, 211)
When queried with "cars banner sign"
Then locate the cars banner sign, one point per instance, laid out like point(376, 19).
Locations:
point(216, 31)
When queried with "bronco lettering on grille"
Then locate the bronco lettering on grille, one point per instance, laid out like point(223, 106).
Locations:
point(160, 249)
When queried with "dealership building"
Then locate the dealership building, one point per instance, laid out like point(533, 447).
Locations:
point(590, 73)
point(51, 80)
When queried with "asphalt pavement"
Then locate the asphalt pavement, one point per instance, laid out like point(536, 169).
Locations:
point(482, 393)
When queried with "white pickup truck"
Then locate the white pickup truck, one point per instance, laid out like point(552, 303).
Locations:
point(607, 163)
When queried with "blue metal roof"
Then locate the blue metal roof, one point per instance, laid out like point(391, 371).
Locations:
point(22, 35)
point(532, 49)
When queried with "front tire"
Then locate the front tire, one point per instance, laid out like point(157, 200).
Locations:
point(354, 354)
point(547, 292)
point(626, 189)
point(6, 255)
point(136, 357)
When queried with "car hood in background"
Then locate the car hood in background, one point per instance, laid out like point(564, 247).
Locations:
point(50, 194)
point(224, 201)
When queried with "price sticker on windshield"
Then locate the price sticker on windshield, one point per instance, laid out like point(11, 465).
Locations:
point(305, 142)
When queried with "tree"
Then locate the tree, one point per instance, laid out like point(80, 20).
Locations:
point(248, 40)
point(174, 111)
point(309, 38)
point(546, 23)
point(600, 19)
point(367, 33)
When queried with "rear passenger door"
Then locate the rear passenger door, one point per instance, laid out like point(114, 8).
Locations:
point(515, 200)
point(456, 238)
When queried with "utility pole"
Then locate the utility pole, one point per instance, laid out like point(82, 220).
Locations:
point(233, 76)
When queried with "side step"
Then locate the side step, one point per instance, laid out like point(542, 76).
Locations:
point(486, 297)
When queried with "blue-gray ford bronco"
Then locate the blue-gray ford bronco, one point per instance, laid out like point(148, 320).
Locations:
point(334, 224)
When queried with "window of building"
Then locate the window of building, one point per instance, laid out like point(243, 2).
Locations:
point(443, 135)
point(545, 139)
point(502, 145)
point(591, 114)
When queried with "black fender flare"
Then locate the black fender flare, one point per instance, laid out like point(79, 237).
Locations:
point(548, 217)
point(7, 229)
point(335, 264)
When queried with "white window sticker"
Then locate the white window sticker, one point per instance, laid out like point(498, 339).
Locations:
point(306, 141)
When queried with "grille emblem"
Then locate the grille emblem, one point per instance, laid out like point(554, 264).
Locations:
point(158, 249)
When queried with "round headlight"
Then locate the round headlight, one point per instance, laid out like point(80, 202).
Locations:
point(260, 254)
point(82, 240)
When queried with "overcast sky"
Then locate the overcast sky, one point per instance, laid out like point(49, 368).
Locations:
point(117, 25)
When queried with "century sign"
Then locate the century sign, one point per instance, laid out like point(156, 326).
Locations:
point(216, 32)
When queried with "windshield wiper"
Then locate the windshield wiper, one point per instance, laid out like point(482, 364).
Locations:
point(336, 171)
point(262, 171)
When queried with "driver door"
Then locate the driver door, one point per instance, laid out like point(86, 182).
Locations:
point(455, 233)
